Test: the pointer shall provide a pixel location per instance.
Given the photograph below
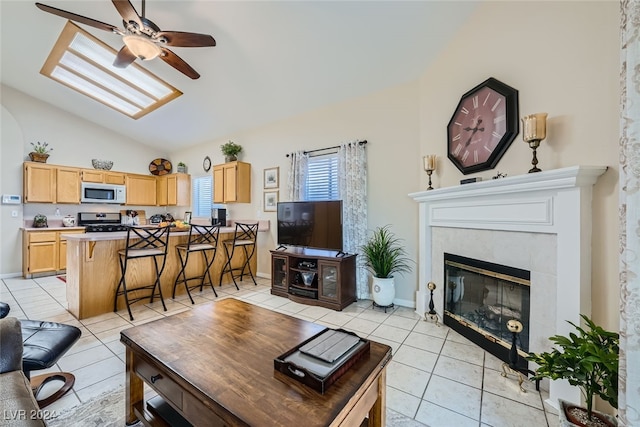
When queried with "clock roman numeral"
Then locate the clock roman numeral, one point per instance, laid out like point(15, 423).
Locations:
point(496, 104)
point(458, 124)
point(457, 150)
point(464, 111)
point(475, 156)
point(457, 137)
point(486, 99)
point(465, 155)
point(499, 119)
point(496, 134)
point(475, 102)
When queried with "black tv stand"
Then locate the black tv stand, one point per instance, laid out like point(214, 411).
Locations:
point(330, 277)
point(281, 248)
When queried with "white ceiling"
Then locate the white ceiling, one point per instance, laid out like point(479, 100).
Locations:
point(273, 59)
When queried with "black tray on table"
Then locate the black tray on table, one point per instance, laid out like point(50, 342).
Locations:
point(318, 369)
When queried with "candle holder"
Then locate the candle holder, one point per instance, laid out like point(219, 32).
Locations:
point(534, 130)
point(432, 314)
point(429, 166)
point(515, 327)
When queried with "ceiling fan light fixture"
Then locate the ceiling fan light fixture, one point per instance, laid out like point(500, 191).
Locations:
point(142, 47)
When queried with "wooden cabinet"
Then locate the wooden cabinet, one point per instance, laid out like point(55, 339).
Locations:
point(232, 183)
point(314, 277)
point(174, 190)
point(103, 177)
point(44, 252)
point(44, 183)
point(141, 190)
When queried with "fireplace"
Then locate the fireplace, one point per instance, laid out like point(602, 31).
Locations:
point(480, 297)
point(540, 222)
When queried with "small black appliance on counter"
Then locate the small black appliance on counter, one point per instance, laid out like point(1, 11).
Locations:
point(219, 216)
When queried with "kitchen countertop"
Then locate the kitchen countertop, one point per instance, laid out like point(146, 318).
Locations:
point(60, 228)
point(121, 235)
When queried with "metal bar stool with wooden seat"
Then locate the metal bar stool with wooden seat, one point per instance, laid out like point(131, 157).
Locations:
point(245, 238)
point(203, 239)
point(142, 242)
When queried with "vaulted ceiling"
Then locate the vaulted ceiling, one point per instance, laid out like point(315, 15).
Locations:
point(273, 59)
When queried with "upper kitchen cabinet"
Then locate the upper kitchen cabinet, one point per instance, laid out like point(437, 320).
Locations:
point(103, 177)
point(174, 190)
point(141, 190)
point(45, 183)
point(232, 183)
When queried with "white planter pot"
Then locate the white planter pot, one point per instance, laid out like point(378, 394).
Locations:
point(383, 290)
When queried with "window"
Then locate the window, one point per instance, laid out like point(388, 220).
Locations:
point(322, 178)
point(202, 196)
point(82, 62)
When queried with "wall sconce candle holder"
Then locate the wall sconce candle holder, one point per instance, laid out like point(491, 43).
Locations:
point(429, 166)
point(534, 130)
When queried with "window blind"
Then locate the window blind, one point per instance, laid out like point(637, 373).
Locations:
point(322, 178)
point(202, 196)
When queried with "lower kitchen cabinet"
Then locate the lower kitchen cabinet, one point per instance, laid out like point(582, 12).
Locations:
point(44, 252)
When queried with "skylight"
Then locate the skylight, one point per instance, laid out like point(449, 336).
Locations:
point(80, 61)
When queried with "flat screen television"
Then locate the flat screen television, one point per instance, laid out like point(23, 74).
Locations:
point(313, 224)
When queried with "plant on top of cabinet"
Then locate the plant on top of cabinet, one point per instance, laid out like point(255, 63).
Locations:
point(231, 151)
point(182, 168)
point(40, 152)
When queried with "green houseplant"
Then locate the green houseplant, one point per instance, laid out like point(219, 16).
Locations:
point(587, 359)
point(182, 168)
point(40, 152)
point(231, 151)
point(384, 256)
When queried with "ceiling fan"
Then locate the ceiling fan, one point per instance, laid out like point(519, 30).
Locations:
point(142, 38)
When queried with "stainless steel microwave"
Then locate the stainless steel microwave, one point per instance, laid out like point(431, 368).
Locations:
point(103, 193)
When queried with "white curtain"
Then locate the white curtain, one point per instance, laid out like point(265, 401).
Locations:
point(629, 213)
point(352, 173)
point(297, 175)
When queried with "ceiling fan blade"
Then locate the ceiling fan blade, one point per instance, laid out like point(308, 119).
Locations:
point(182, 39)
point(78, 18)
point(127, 11)
point(124, 58)
point(178, 63)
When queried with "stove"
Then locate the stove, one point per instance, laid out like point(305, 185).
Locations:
point(99, 222)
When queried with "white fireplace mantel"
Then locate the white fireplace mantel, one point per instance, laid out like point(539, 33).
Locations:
point(555, 202)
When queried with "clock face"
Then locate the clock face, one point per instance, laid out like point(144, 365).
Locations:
point(206, 164)
point(482, 127)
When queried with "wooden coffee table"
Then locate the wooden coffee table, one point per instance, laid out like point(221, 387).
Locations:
point(214, 366)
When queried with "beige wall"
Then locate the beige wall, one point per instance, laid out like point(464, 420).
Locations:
point(561, 56)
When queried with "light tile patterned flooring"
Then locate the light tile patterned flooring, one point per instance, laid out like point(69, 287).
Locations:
point(437, 377)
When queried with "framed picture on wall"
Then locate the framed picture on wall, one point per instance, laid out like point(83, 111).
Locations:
point(271, 177)
point(187, 217)
point(270, 201)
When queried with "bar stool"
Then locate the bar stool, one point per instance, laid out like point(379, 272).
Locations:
point(245, 238)
point(203, 239)
point(142, 242)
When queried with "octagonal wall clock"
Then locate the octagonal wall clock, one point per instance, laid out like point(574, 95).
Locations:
point(483, 126)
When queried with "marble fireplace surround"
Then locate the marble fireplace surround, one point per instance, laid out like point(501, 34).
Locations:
point(539, 222)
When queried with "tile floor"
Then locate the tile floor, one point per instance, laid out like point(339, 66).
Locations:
point(437, 377)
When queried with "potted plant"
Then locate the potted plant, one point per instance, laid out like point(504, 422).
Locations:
point(230, 151)
point(587, 359)
point(40, 152)
point(182, 168)
point(384, 256)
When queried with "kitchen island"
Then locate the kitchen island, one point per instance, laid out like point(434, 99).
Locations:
point(93, 269)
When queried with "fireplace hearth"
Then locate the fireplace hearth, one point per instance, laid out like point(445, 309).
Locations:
point(480, 297)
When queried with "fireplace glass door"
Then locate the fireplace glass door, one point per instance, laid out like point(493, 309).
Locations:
point(482, 297)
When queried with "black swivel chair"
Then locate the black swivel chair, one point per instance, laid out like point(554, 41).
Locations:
point(44, 343)
point(245, 238)
point(202, 239)
point(142, 242)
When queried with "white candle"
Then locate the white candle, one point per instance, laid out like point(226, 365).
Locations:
point(430, 162)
